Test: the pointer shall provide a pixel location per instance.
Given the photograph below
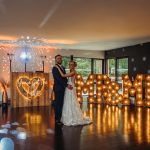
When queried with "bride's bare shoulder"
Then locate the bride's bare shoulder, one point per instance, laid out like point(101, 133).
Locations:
point(74, 73)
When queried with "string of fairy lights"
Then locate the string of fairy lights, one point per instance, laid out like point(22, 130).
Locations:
point(26, 50)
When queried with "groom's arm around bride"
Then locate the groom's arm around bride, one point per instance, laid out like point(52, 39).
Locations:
point(60, 81)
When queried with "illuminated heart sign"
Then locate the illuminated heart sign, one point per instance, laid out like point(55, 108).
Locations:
point(30, 87)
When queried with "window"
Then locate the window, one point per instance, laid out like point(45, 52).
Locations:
point(97, 66)
point(117, 67)
point(65, 63)
point(111, 68)
point(122, 68)
point(83, 66)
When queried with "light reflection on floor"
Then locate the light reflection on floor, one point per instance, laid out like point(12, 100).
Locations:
point(120, 127)
point(128, 122)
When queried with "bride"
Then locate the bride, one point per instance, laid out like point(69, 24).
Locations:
point(72, 114)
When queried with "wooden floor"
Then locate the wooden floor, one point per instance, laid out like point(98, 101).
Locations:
point(113, 128)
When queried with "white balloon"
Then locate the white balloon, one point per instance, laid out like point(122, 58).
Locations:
point(7, 144)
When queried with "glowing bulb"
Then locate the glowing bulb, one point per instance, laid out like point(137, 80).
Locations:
point(91, 88)
point(79, 88)
point(79, 99)
point(99, 94)
point(99, 88)
point(99, 77)
point(91, 82)
point(78, 94)
point(82, 83)
point(84, 89)
point(99, 82)
point(91, 76)
point(79, 82)
point(99, 99)
point(78, 76)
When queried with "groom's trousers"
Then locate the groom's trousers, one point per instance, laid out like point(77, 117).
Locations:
point(59, 100)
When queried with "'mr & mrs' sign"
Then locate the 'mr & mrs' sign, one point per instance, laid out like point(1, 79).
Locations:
point(109, 91)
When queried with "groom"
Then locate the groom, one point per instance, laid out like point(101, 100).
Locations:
point(60, 83)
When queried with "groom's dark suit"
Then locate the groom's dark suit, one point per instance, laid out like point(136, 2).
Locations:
point(60, 83)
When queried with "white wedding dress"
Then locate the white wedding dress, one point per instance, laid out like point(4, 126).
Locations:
point(72, 114)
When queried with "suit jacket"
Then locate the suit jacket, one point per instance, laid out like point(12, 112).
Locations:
point(60, 83)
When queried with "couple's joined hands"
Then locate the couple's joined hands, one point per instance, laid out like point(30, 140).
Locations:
point(69, 87)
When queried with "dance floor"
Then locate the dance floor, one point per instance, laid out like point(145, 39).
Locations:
point(113, 128)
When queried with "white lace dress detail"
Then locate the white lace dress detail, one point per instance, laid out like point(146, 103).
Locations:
point(72, 114)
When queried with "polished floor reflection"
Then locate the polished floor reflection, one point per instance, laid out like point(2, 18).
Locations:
point(112, 128)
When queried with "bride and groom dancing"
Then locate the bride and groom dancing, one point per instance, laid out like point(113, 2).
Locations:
point(67, 108)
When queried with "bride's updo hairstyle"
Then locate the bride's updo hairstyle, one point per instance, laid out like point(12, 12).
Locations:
point(75, 63)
